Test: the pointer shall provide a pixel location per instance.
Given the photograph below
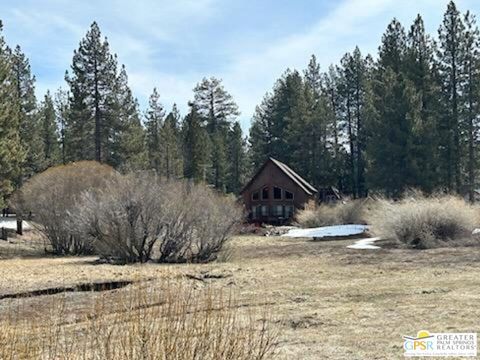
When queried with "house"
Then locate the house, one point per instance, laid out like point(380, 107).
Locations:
point(275, 192)
point(329, 195)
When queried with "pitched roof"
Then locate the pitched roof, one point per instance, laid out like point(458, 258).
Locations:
point(297, 179)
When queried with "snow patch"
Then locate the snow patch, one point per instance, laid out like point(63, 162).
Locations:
point(11, 223)
point(365, 244)
point(328, 231)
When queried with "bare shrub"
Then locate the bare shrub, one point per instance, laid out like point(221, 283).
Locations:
point(141, 217)
point(51, 197)
point(173, 322)
point(351, 212)
point(202, 222)
point(425, 222)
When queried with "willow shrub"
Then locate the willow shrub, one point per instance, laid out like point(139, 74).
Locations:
point(141, 217)
point(51, 199)
point(425, 222)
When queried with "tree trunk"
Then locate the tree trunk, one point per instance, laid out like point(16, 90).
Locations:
point(98, 130)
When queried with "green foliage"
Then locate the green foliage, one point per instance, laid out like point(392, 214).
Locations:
point(196, 147)
point(153, 123)
point(237, 161)
point(12, 153)
point(408, 119)
point(27, 110)
point(171, 146)
point(50, 147)
point(128, 146)
point(93, 118)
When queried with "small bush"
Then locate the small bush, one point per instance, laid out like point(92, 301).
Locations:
point(52, 197)
point(351, 212)
point(140, 217)
point(425, 222)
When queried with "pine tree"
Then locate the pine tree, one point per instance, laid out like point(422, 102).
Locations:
point(62, 111)
point(196, 147)
point(237, 161)
point(50, 154)
point(216, 106)
point(218, 160)
point(397, 108)
point(421, 70)
point(471, 96)
point(265, 134)
point(128, 143)
point(12, 153)
point(451, 37)
point(333, 99)
point(154, 123)
point(92, 87)
point(298, 117)
point(171, 147)
point(29, 129)
point(354, 89)
point(317, 130)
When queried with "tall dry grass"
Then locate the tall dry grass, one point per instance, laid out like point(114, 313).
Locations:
point(351, 212)
point(142, 323)
point(425, 222)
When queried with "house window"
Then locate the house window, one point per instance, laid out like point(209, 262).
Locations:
point(255, 196)
point(277, 193)
point(331, 199)
point(264, 210)
point(288, 211)
point(255, 212)
point(288, 195)
point(277, 210)
point(265, 193)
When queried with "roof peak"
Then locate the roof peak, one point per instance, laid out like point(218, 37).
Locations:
point(297, 179)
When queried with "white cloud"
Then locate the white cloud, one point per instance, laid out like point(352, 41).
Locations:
point(146, 32)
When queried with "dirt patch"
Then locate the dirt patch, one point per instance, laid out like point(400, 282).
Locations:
point(88, 287)
point(209, 275)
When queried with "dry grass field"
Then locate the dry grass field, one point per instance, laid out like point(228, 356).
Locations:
point(325, 301)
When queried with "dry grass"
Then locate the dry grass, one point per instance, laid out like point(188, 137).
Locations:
point(327, 301)
point(351, 212)
point(425, 222)
point(173, 322)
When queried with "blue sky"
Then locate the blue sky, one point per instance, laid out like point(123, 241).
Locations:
point(172, 44)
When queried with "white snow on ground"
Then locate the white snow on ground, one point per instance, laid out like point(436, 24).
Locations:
point(11, 223)
point(365, 244)
point(328, 231)
point(476, 232)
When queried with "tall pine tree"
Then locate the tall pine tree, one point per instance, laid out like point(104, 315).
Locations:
point(11, 151)
point(471, 98)
point(26, 101)
point(50, 154)
point(217, 109)
point(451, 37)
point(128, 150)
point(154, 122)
point(196, 147)
point(396, 110)
point(92, 110)
point(171, 146)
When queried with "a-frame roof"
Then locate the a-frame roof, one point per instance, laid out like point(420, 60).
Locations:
point(297, 179)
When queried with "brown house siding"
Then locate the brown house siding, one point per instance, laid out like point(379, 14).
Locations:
point(270, 176)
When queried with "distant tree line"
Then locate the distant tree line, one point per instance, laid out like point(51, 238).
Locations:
point(407, 118)
point(98, 118)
